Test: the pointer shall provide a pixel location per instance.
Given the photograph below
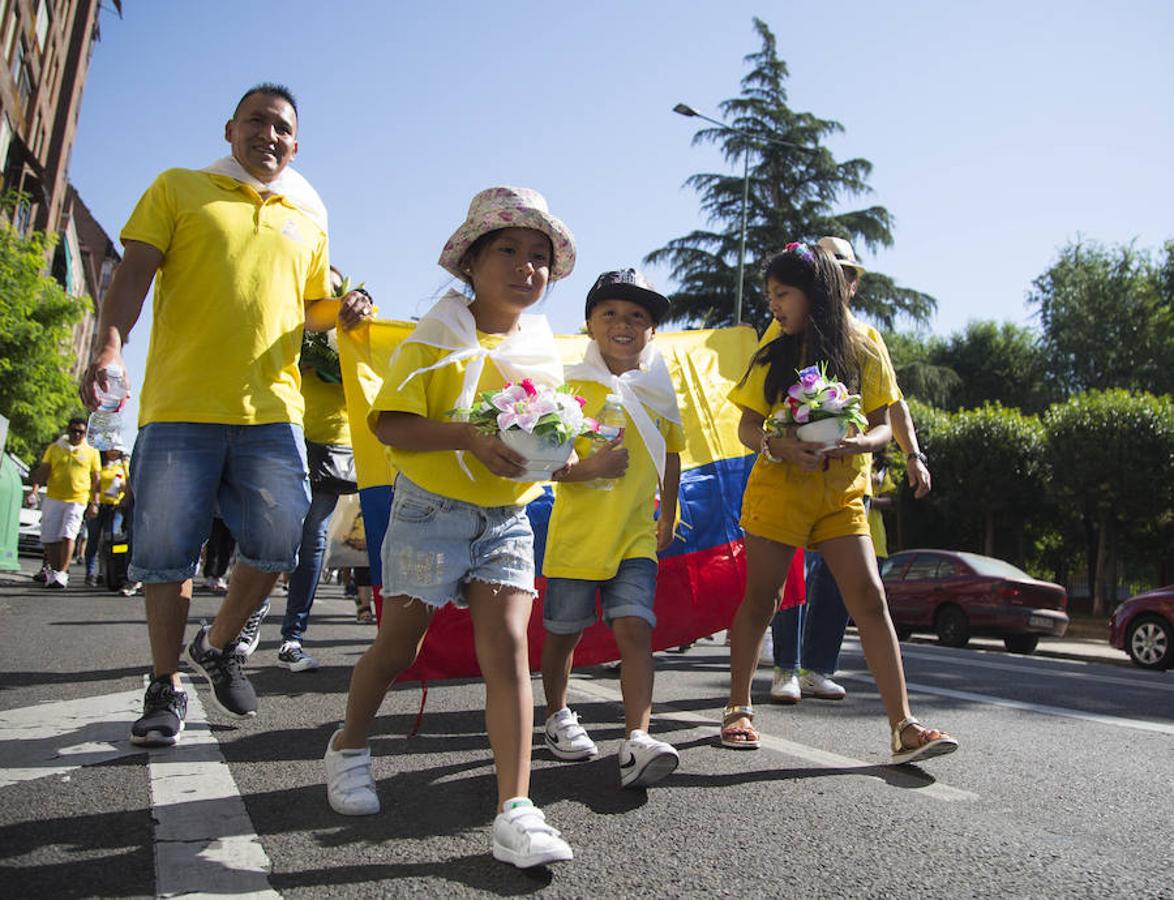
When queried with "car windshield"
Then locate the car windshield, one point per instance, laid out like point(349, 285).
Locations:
point(995, 568)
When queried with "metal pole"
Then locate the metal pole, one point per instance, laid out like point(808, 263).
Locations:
point(742, 242)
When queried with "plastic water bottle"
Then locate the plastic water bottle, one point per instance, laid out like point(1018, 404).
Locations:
point(105, 429)
point(612, 420)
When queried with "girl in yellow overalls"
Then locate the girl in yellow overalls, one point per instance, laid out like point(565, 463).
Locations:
point(799, 495)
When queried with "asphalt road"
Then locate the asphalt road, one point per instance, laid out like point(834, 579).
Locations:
point(1064, 784)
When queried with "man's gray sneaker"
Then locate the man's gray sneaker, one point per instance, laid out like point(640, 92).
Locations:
point(164, 709)
point(291, 656)
point(231, 690)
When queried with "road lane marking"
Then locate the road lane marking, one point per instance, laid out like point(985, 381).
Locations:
point(1043, 708)
point(813, 755)
point(1046, 667)
point(58, 737)
point(204, 838)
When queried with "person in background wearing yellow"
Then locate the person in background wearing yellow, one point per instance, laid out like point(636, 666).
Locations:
point(69, 469)
point(107, 519)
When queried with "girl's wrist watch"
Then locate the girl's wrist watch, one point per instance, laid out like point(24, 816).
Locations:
point(918, 456)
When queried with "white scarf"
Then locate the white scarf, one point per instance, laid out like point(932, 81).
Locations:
point(648, 385)
point(289, 184)
point(529, 352)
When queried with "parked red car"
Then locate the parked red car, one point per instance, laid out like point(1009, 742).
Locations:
point(957, 595)
point(1143, 626)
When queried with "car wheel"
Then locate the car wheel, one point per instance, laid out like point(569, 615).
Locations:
point(903, 634)
point(1150, 642)
point(1021, 643)
point(952, 626)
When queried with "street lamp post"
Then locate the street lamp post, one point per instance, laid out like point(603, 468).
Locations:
point(684, 109)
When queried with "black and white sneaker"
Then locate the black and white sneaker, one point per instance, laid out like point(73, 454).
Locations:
point(164, 709)
point(291, 656)
point(230, 688)
point(250, 636)
point(567, 739)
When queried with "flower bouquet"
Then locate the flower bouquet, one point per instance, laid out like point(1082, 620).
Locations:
point(821, 407)
point(537, 421)
point(320, 348)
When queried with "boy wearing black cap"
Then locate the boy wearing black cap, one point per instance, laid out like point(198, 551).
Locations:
point(606, 541)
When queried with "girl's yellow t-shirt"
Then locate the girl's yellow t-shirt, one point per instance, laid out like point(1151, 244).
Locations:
point(433, 395)
point(878, 388)
point(591, 532)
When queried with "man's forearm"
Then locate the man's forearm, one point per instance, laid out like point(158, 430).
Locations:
point(903, 431)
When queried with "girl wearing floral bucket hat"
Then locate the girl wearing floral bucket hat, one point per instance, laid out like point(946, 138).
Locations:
point(458, 531)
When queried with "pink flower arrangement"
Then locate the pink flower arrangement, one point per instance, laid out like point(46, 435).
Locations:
point(554, 414)
point(814, 397)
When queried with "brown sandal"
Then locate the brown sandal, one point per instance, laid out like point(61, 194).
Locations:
point(741, 737)
point(930, 742)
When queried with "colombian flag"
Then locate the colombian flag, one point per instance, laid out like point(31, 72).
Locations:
point(702, 576)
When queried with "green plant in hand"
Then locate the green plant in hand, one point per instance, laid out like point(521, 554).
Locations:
point(320, 348)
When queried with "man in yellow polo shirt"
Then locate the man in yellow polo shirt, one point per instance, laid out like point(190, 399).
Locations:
point(69, 469)
point(238, 252)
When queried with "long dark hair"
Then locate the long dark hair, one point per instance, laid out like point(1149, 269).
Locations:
point(828, 336)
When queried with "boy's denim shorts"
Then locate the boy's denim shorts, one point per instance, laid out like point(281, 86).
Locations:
point(435, 545)
point(181, 472)
point(569, 605)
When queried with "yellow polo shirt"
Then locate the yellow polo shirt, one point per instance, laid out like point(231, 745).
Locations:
point(326, 420)
point(71, 471)
point(229, 301)
point(432, 395)
point(591, 532)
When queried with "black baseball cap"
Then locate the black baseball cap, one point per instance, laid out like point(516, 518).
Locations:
point(627, 284)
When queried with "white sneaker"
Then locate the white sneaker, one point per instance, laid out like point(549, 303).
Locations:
point(644, 760)
point(350, 786)
point(567, 739)
point(784, 687)
point(818, 685)
point(522, 837)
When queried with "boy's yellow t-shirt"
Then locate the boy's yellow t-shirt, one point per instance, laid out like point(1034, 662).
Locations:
point(326, 420)
point(432, 395)
point(112, 481)
point(591, 532)
point(878, 388)
point(229, 301)
point(70, 471)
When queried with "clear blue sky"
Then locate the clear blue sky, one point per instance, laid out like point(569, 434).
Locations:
point(998, 132)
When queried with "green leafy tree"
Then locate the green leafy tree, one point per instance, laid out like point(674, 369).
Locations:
point(1112, 455)
point(793, 194)
point(918, 372)
point(991, 475)
point(995, 363)
point(37, 392)
point(1107, 317)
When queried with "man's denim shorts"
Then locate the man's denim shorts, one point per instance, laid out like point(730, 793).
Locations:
point(435, 545)
point(569, 605)
point(181, 471)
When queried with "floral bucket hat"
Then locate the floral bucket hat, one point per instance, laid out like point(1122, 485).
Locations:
point(510, 207)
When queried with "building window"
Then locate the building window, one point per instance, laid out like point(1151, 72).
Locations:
point(5, 141)
point(10, 29)
point(42, 25)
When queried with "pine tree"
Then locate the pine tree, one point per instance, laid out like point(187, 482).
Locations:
point(794, 191)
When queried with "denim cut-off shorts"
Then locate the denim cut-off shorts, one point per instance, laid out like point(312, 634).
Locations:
point(181, 471)
point(435, 545)
point(569, 604)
